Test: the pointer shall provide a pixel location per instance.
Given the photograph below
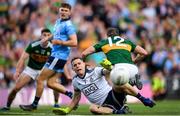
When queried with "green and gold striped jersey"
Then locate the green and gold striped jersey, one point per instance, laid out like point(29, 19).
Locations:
point(116, 49)
point(37, 54)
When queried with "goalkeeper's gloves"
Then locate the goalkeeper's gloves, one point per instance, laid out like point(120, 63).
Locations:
point(106, 64)
point(62, 111)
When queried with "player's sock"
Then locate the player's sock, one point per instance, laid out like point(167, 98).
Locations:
point(56, 105)
point(123, 110)
point(11, 97)
point(118, 112)
point(69, 94)
point(36, 101)
point(145, 101)
point(139, 96)
point(8, 105)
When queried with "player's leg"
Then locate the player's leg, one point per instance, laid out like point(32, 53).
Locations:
point(23, 80)
point(136, 81)
point(97, 109)
point(56, 98)
point(53, 84)
point(108, 109)
point(44, 75)
point(128, 89)
point(58, 66)
point(116, 101)
point(134, 78)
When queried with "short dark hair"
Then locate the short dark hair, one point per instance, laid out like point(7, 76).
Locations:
point(45, 30)
point(112, 32)
point(75, 59)
point(66, 5)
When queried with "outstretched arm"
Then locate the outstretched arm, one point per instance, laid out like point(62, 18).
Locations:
point(20, 64)
point(75, 100)
point(88, 51)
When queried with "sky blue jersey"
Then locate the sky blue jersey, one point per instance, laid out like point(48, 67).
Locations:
point(62, 30)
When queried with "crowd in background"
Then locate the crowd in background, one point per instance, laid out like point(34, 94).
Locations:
point(153, 24)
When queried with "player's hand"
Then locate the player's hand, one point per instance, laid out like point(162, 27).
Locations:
point(106, 64)
point(83, 55)
point(16, 75)
point(56, 42)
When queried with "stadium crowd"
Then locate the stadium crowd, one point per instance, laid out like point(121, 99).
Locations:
point(153, 24)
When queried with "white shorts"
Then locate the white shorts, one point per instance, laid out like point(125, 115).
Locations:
point(133, 69)
point(31, 72)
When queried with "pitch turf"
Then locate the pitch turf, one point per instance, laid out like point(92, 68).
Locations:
point(161, 108)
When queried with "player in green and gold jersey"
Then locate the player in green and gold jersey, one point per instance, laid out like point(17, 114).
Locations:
point(118, 52)
point(117, 49)
point(37, 52)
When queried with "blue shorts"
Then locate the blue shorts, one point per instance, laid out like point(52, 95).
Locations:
point(55, 64)
point(114, 100)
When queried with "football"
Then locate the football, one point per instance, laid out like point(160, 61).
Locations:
point(119, 75)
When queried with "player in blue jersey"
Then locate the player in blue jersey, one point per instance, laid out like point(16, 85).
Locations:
point(64, 37)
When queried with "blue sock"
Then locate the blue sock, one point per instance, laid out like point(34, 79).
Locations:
point(118, 112)
point(69, 94)
point(140, 97)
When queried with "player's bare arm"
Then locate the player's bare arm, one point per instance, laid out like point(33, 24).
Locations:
point(75, 100)
point(88, 51)
point(141, 54)
point(72, 42)
point(20, 64)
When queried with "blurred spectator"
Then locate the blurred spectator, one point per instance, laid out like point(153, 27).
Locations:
point(158, 86)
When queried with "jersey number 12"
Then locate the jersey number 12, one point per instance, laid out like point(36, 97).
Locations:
point(118, 43)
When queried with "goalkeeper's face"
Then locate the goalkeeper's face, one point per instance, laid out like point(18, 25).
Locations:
point(64, 13)
point(79, 67)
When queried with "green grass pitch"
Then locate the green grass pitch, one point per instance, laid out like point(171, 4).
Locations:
point(161, 108)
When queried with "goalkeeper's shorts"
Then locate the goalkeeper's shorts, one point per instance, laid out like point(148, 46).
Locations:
point(114, 100)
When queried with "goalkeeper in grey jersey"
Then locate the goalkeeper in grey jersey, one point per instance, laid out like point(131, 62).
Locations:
point(104, 98)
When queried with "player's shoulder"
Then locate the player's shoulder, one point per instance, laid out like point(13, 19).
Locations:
point(68, 23)
point(128, 41)
point(75, 77)
point(98, 68)
point(103, 41)
point(50, 45)
point(57, 21)
point(89, 69)
point(35, 43)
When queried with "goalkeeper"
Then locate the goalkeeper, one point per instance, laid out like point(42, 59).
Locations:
point(104, 98)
